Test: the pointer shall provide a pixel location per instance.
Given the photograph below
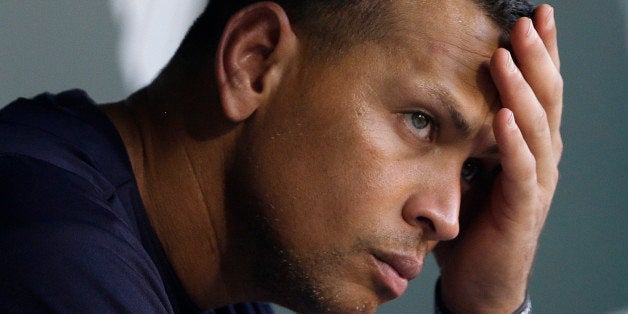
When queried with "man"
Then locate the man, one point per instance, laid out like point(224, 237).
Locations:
point(304, 153)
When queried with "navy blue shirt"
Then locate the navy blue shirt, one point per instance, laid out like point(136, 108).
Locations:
point(74, 235)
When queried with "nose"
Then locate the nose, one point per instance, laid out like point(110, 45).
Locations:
point(435, 209)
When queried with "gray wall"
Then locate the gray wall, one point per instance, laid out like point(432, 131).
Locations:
point(582, 262)
point(53, 45)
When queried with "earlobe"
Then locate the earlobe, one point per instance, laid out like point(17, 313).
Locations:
point(255, 43)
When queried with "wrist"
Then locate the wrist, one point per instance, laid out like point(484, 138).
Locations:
point(442, 305)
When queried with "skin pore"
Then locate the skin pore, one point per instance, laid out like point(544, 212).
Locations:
point(272, 176)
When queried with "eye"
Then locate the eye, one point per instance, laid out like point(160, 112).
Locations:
point(471, 169)
point(422, 124)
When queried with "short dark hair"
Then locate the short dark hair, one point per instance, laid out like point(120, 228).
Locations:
point(333, 24)
point(506, 12)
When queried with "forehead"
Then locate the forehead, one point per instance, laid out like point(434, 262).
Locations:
point(444, 17)
point(444, 46)
point(450, 28)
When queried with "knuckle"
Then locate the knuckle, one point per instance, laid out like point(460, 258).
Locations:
point(559, 146)
point(540, 126)
point(523, 170)
point(559, 83)
point(554, 176)
point(529, 169)
point(546, 200)
point(541, 117)
point(549, 180)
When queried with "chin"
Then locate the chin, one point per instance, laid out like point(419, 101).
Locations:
point(333, 307)
point(334, 297)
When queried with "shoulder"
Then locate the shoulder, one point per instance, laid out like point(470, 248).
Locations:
point(32, 189)
point(67, 243)
point(67, 130)
point(59, 156)
point(69, 266)
point(64, 247)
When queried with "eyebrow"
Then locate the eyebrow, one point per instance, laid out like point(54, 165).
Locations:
point(461, 124)
point(450, 103)
point(492, 150)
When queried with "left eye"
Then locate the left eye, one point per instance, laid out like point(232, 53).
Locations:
point(420, 120)
point(423, 124)
point(471, 169)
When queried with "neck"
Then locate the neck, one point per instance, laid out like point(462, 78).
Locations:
point(179, 163)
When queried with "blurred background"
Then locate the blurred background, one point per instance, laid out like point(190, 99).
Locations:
point(582, 263)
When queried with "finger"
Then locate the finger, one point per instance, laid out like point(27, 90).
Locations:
point(539, 70)
point(517, 95)
point(519, 170)
point(545, 24)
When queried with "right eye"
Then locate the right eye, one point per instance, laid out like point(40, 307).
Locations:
point(470, 170)
point(422, 125)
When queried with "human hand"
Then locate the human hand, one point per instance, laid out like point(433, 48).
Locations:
point(486, 268)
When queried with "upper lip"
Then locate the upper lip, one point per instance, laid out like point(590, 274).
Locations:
point(407, 266)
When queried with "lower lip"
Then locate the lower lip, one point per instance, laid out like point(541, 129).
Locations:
point(391, 278)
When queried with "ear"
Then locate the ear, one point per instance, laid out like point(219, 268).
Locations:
point(254, 49)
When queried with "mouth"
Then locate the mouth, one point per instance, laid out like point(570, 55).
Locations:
point(396, 270)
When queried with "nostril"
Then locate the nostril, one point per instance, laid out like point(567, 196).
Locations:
point(427, 222)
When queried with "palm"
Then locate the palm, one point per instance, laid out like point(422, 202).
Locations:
point(489, 243)
point(486, 267)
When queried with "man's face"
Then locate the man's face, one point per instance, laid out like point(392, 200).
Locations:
point(356, 166)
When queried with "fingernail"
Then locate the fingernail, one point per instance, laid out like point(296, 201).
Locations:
point(510, 65)
point(529, 32)
point(549, 20)
point(511, 120)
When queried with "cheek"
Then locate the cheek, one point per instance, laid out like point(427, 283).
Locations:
point(325, 173)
